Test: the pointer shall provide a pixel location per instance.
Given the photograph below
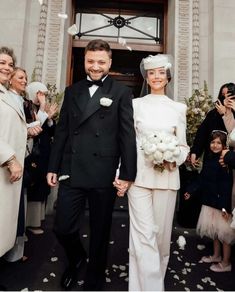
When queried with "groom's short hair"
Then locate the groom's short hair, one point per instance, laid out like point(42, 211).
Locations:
point(98, 45)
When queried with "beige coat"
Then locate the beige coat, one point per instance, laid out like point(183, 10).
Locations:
point(159, 113)
point(13, 136)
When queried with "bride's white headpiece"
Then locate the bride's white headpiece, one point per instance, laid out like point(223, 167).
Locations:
point(157, 61)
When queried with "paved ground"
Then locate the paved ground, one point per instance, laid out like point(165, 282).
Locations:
point(46, 261)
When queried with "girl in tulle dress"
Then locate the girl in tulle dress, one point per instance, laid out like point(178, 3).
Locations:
point(214, 185)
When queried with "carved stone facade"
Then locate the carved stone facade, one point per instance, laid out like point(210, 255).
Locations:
point(195, 46)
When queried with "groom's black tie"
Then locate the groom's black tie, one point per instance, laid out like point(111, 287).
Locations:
point(94, 82)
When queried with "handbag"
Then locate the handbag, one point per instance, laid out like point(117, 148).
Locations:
point(31, 164)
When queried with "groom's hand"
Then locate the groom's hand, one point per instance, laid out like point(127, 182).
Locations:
point(52, 179)
point(122, 186)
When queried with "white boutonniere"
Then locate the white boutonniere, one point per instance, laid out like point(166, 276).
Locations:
point(105, 101)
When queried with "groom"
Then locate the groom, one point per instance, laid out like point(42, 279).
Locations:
point(94, 134)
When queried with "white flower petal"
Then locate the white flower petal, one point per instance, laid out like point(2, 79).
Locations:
point(176, 277)
point(122, 268)
point(201, 246)
point(108, 280)
point(123, 274)
point(80, 282)
point(175, 252)
point(54, 259)
point(45, 280)
point(62, 15)
point(52, 275)
point(114, 266)
point(199, 287)
point(84, 235)
point(111, 242)
point(25, 289)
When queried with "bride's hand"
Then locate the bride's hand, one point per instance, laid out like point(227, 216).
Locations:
point(169, 165)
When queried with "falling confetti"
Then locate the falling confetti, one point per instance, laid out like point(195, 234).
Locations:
point(181, 242)
point(62, 15)
point(72, 30)
point(54, 259)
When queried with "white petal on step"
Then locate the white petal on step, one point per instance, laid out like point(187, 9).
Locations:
point(80, 283)
point(52, 275)
point(122, 268)
point(187, 264)
point(54, 259)
point(108, 280)
point(179, 259)
point(200, 287)
point(184, 271)
point(186, 289)
point(123, 225)
point(121, 207)
point(84, 235)
point(189, 270)
point(181, 241)
point(123, 275)
point(127, 279)
point(175, 252)
point(183, 282)
point(172, 271)
point(201, 246)
point(186, 232)
point(176, 277)
point(115, 266)
point(25, 289)
point(111, 242)
point(45, 280)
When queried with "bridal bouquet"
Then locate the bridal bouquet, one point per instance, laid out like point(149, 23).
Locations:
point(160, 147)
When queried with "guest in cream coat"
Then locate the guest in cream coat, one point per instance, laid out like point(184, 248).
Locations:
point(152, 197)
point(13, 135)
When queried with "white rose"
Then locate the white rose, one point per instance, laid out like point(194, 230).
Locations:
point(149, 148)
point(168, 156)
point(176, 152)
point(158, 157)
point(104, 101)
point(161, 147)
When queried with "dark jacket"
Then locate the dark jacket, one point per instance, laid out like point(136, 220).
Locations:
point(229, 159)
point(91, 139)
point(214, 184)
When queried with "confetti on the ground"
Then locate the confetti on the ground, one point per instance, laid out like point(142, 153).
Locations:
point(183, 282)
point(181, 242)
point(122, 268)
point(123, 225)
point(62, 15)
point(52, 275)
point(127, 279)
point(186, 289)
point(184, 271)
point(186, 232)
point(84, 235)
point(201, 246)
point(175, 252)
point(80, 283)
point(54, 259)
point(111, 242)
point(121, 207)
point(176, 277)
point(172, 271)
point(179, 259)
point(45, 280)
point(199, 287)
point(187, 264)
point(108, 280)
point(25, 289)
point(123, 275)
point(114, 266)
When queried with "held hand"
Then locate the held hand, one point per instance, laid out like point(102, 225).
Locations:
point(41, 97)
point(221, 159)
point(15, 169)
point(195, 162)
point(51, 109)
point(122, 186)
point(221, 109)
point(34, 131)
point(169, 165)
point(187, 196)
point(52, 179)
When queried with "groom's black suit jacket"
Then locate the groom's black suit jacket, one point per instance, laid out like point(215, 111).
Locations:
point(91, 139)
